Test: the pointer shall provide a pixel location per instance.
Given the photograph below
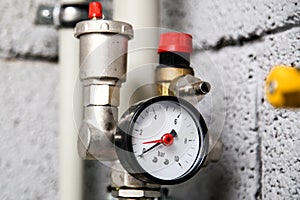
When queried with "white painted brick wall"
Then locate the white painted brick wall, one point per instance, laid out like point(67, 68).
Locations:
point(245, 38)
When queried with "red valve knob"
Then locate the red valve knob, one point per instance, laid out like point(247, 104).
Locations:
point(95, 10)
point(175, 42)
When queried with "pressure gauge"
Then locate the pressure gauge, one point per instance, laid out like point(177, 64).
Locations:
point(162, 140)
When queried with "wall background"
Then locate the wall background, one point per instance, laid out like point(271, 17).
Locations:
point(261, 158)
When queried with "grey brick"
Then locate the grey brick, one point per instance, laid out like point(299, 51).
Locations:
point(28, 129)
point(245, 38)
point(279, 128)
point(261, 154)
point(220, 23)
point(20, 37)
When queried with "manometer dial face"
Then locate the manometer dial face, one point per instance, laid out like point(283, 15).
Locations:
point(162, 140)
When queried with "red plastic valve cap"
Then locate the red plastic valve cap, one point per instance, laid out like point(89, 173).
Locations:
point(95, 10)
point(175, 42)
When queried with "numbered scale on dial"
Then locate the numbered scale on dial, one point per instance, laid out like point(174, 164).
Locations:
point(162, 140)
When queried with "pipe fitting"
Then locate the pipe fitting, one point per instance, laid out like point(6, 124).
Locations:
point(95, 139)
point(121, 178)
point(103, 64)
point(101, 95)
point(103, 49)
point(174, 76)
point(126, 186)
point(165, 75)
point(103, 56)
point(216, 149)
point(190, 88)
point(131, 194)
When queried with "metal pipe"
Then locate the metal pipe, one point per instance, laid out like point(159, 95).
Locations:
point(103, 60)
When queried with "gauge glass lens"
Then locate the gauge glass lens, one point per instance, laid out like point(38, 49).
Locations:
point(165, 140)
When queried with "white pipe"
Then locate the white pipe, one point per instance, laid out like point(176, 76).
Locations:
point(139, 13)
point(143, 15)
point(70, 166)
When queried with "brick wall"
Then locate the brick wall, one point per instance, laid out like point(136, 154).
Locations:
point(261, 158)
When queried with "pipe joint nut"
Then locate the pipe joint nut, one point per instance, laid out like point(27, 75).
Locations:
point(101, 95)
point(129, 193)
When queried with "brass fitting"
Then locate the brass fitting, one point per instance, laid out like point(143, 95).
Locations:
point(175, 77)
point(165, 75)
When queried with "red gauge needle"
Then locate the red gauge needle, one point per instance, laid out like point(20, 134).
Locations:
point(167, 140)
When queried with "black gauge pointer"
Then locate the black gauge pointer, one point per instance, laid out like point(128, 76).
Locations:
point(157, 144)
point(174, 133)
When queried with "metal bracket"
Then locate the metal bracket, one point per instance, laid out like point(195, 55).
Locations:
point(62, 15)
